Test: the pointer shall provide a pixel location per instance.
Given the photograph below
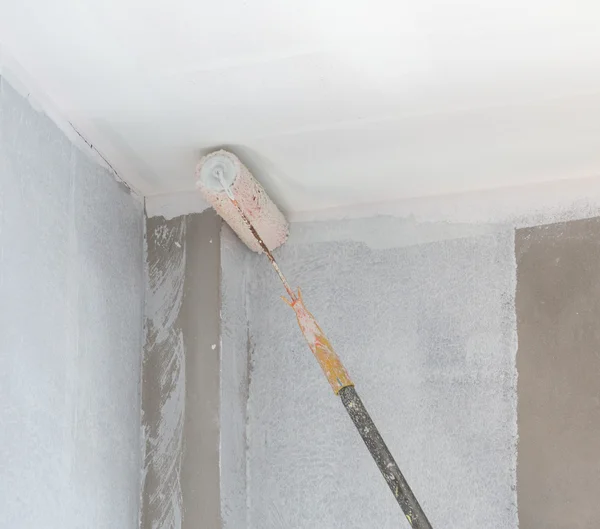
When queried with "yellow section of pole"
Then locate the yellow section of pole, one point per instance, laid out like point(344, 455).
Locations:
point(319, 344)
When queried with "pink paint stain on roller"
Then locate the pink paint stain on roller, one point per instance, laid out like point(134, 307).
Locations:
point(220, 172)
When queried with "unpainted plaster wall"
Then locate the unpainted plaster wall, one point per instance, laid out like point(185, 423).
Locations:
point(181, 374)
point(558, 310)
point(71, 304)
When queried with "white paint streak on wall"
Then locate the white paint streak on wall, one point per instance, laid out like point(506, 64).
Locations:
point(164, 374)
point(519, 206)
point(425, 324)
point(171, 205)
point(71, 290)
point(391, 232)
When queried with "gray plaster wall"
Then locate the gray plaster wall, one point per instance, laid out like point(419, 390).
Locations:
point(558, 309)
point(181, 374)
point(71, 305)
point(423, 317)
point(426, 318)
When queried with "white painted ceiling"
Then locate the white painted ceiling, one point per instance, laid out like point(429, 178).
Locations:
point(329, 102)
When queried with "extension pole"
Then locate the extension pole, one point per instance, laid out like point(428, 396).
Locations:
point(384, 459)
point(342, 385)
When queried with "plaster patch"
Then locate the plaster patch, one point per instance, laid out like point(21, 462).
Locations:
point(164, 377)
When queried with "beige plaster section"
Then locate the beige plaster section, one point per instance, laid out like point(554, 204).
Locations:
point(200, 324)
point(558, 361)
point(180, 391)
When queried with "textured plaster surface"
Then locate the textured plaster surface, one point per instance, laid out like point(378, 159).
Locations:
point(427, 332)
point(163, 386)
point(181, 374)
point(71, 291)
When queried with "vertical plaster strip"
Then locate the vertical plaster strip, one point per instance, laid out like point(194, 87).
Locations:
point(163, 390)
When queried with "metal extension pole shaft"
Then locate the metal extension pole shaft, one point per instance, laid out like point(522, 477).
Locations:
point(384, 459)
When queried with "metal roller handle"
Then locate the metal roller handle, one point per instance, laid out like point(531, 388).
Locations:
point(384, 459)
point(342, 385)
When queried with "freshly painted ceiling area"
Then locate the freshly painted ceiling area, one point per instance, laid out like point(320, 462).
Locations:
point(329, 102)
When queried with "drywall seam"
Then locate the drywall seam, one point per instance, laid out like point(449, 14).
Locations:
point(41, 101)
point(164, 377)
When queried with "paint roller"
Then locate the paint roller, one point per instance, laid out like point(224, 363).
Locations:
point(242, 202)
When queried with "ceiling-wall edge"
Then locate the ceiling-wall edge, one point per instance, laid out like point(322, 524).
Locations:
point(519, 206)
point(80, 132)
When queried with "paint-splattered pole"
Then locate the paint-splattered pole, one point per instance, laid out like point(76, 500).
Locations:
point(384, 459)
point(342, 385)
